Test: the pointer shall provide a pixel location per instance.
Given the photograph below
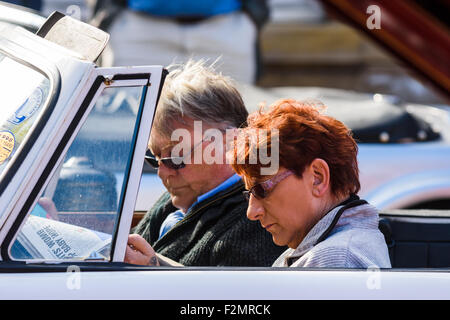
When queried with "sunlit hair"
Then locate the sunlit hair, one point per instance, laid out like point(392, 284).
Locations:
point(195, 91)
point(304, 134)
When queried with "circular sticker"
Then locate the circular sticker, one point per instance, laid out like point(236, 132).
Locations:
point(7, 142)
point(27, 109)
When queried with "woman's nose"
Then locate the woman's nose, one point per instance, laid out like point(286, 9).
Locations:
point(255, 210)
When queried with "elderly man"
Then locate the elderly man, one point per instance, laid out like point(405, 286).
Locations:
point(201, 219)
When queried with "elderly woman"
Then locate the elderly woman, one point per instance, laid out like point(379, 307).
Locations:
point(310, 203)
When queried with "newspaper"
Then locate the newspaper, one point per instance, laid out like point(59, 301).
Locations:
point(50, 239)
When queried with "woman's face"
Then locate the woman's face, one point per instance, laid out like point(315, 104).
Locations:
point(289, 211)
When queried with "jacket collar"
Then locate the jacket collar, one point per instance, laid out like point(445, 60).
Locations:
point(225, 185)
point(337, 217)
point(236, 186)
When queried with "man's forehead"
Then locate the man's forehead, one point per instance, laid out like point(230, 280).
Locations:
point(169, 145)
point(159, 143)
point(191, 128)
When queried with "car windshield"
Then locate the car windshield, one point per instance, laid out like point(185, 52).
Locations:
point(24, 92)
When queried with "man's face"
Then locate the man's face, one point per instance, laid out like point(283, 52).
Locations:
point(195, 179)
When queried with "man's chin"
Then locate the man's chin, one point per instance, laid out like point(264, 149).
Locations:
point(179, 202)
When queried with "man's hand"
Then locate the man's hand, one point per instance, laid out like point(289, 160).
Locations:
point(48, 205)
point(140, 252)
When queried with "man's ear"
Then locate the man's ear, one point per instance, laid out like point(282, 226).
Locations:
point(321, 177)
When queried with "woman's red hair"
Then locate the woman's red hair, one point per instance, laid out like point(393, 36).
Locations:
point(304, 134)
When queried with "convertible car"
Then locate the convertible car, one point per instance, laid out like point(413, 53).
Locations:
point(73, 138)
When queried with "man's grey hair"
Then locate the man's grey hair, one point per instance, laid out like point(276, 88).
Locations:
point(195, 90)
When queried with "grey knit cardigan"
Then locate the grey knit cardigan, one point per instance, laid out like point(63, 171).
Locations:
point(346, 237)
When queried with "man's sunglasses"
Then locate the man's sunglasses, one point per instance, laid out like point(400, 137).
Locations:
point(262, 190)
point(174, 163)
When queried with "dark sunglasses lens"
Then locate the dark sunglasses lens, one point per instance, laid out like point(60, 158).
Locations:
point(259, 192)
point(152, 162)
point(246, 194)
point(169, 163)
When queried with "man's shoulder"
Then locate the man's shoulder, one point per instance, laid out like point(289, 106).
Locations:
point(229, 199)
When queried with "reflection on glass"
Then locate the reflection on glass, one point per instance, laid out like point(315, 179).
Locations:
point(77, 213)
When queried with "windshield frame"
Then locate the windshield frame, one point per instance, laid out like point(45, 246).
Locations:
point(49, 70)
point(121, 77)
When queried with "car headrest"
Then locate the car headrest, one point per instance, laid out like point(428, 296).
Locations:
point(74, 35)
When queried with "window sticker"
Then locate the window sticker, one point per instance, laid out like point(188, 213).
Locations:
point(17, 87)
point(28, 108)
point(7, 142)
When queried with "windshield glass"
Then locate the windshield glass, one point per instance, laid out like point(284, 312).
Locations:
point(24, 92)
point(77, 214)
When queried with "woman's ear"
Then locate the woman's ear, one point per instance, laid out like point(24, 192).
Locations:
point(321, 177)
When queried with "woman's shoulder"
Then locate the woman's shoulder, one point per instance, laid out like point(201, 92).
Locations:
point(351, 248)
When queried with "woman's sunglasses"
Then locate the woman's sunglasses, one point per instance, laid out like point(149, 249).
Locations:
point(262, 190)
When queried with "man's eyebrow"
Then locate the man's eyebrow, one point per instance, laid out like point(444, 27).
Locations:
point(158, 150)
point(153, 149)
point(169, 145)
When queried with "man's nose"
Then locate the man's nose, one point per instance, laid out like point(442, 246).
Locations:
point(164, 172)
point(255, 210)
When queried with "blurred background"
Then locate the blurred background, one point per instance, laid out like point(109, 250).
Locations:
point(299, 49)
point(298, 44)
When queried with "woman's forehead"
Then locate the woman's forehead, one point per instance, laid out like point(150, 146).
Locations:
point(252, 181)
point(248, 182)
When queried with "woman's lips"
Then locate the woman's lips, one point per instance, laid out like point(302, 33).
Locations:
point(267, 227)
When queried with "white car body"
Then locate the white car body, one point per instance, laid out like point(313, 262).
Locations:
point(210, 284)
